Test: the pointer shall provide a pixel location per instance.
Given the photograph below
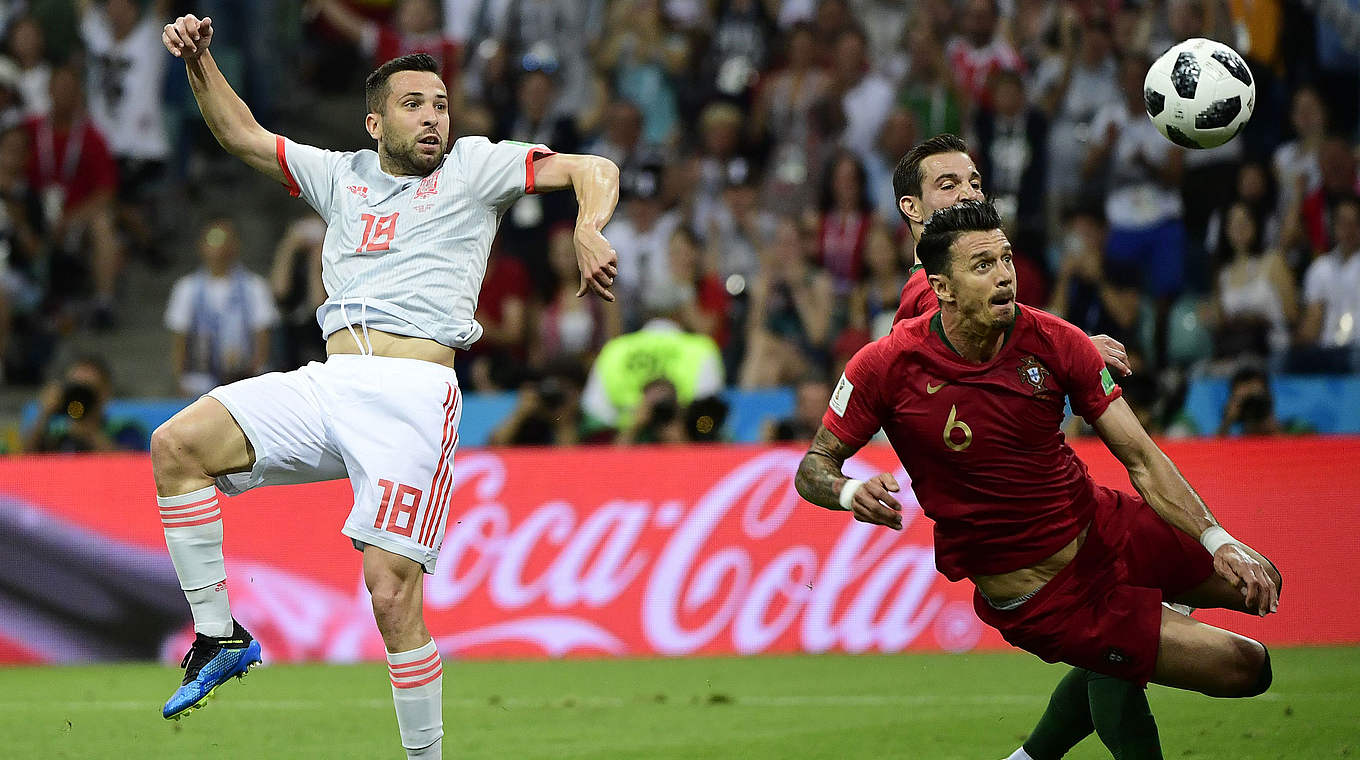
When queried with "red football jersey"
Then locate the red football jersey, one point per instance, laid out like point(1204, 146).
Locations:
point(917, 296)
point(982, 442)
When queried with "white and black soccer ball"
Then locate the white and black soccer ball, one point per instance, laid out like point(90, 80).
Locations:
point(1199, 93)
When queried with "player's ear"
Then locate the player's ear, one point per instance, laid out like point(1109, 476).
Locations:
point(940, 285)
point(911, 206)
point(373, 123)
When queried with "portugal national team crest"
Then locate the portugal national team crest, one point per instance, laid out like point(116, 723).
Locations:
point(1033, 371)
point(429, 186)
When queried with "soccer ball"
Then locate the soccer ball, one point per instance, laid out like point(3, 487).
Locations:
point(1200, 93)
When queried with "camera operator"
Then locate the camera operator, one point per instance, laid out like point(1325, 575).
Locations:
point(548, 412)
point(659, 418)
point(1251, 407)
point(73, 417)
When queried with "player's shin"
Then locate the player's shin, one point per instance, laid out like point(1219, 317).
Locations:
point(1066, 721)
point(193, 534)
point(417, 692)
point(1123, 719)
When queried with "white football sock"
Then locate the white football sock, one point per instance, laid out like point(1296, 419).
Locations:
point(193, 534)
point(418, 693)
point(1020, 754)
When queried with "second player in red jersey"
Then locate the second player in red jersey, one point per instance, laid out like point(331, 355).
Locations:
point(972, 398)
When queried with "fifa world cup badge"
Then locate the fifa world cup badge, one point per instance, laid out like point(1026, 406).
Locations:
point(1033, 371)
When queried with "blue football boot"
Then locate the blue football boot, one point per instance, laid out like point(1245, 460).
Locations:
point(207, 665)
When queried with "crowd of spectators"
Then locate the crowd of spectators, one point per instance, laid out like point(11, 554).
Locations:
point(756, 140)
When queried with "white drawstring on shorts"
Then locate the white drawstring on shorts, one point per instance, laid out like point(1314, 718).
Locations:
point(366, 345)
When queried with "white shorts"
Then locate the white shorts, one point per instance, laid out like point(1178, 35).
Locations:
point(389, 425)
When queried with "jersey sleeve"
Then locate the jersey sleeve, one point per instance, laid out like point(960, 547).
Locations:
point(500, 173)
point(1082, 372)
point(309, 172)
point(855, 412)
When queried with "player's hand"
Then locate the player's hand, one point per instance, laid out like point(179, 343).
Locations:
point(598, 262)
point(874, 502)
point(1112, 351)
point(187, 36)
point(1249, 576)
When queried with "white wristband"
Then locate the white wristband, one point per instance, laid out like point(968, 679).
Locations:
point(1214, 537)
point(848, 494)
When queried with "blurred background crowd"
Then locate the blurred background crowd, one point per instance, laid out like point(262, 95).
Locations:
point(759, 241)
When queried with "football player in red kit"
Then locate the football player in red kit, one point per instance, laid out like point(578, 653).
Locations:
point(971, 398)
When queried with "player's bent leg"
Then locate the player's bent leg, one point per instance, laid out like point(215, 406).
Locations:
point(395, 584)
point(1199, 657)
point(200, 442)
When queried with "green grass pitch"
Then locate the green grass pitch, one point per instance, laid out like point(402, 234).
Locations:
point(933, 707)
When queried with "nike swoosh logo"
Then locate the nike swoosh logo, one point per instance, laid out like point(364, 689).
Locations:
point(933, 389)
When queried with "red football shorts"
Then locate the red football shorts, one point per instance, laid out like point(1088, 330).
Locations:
point(1103, 612)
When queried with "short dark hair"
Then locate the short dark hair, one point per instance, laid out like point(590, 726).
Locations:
point(375, 86)
point(947, 224)
point(907, 177)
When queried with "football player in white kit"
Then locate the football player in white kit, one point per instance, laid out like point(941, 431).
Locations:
point(409, 231)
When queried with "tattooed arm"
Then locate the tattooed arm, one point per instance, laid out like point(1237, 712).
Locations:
point(820, 481)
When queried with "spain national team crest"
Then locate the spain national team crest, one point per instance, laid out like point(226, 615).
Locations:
point(1033, 371)
point(429, 186)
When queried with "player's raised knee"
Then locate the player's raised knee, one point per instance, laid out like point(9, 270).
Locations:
point(1264, 674)
point(1251, 672)
point(172, 446)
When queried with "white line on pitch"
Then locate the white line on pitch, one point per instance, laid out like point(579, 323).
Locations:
point(521, 703)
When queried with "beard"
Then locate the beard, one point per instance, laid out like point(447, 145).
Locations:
point(407, 159)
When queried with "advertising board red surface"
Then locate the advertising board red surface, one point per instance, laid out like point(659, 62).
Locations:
point(621, 552)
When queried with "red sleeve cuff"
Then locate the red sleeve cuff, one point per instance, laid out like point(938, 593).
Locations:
point(288, 181)
point(533, 155)
point(832, 422)
point(1096, 411)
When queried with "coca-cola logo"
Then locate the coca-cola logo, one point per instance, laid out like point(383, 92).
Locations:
point(735, 563)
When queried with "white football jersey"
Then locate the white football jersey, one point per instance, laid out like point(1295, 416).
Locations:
point(407, 255)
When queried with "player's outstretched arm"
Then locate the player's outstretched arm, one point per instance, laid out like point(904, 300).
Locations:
point(1169, 494)
point(228, 116)
point(820, 481)
point(596, 182)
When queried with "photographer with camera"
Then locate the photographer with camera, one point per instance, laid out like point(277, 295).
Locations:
point(547, 412)
point(72, 414)
point(1251, 407)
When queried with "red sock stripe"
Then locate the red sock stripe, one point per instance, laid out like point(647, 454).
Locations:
point(214, 517)
point(442, 472)
point(189, 507)
point(413, 684)
point(417, 674)
point(195, 513)
point(403, 668)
